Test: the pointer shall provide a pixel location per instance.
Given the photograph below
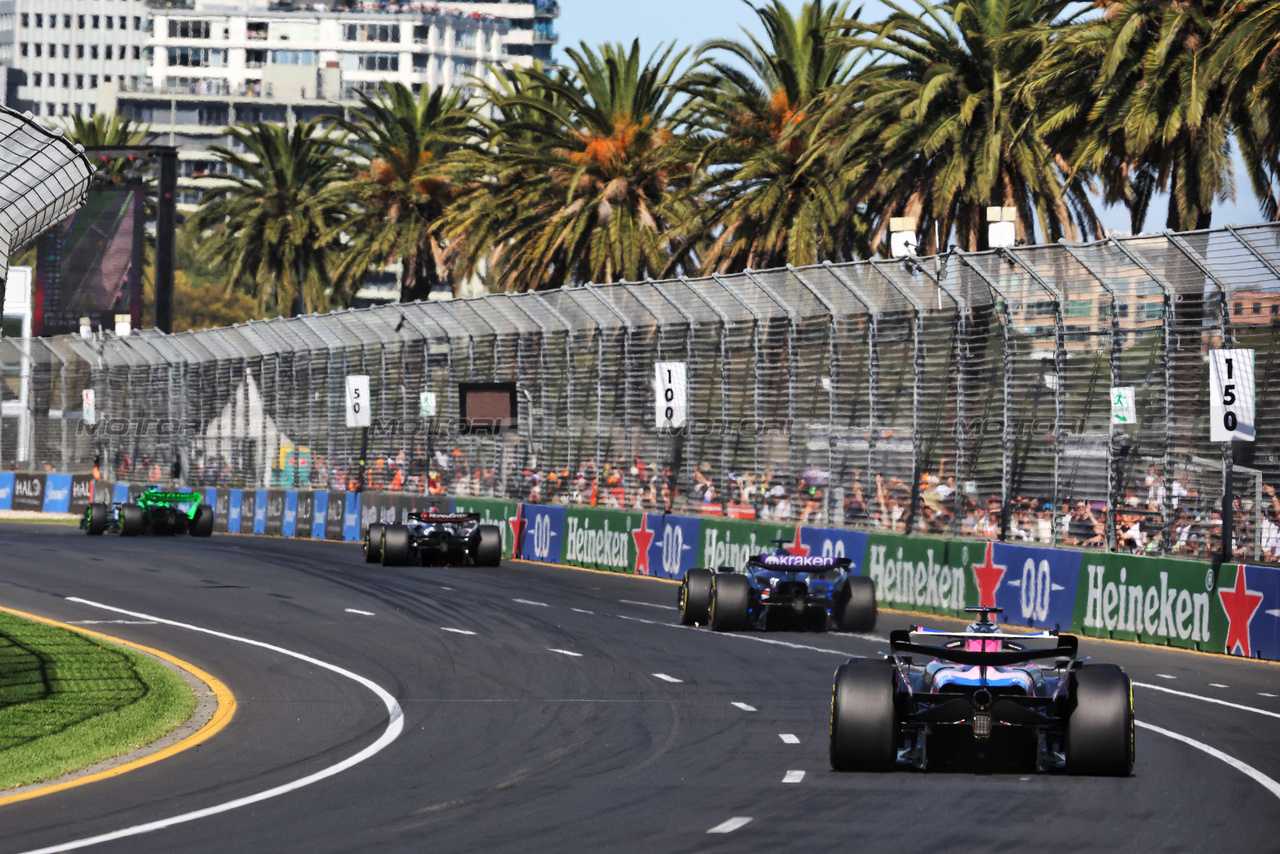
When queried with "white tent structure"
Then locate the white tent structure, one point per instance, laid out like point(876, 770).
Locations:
point(244, 435)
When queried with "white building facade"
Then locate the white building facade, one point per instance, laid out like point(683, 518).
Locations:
point(60, 52)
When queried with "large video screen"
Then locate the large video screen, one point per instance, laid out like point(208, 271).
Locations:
point(90, 264)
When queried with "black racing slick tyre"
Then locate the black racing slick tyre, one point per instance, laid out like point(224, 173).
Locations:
point(132, 520)
point(695, 597)
point(373, 543)
point(395, 545)
point(863, 716)
point(202, 524)
point(730, 602)
point(489, 546)
point(96, 517)
point(1100, 726)
point(857, 611)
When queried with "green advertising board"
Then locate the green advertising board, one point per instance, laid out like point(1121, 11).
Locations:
point(601, 539)
point(921, 573)
point(493, 511)
point(1154, 600)
point(730, 542)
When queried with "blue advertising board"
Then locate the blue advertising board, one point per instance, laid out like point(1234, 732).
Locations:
point(57, 493)
point(1251, 601)
point(1037, 587)
point(835, 542)
point(233, 511)
point(351, 518)
point(320, 512)
point(119, 493)
point(290, 524)
point(6, 490)
point(543, 532)
point(260, 512)
point(674, 548)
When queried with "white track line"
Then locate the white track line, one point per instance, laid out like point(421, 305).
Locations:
point(1166, 676)
point(793, 777)
point(1248, 770)
point(581, 611)
point(1218, 685)
point(665, 678)
point(456, 631)
point(788, 738)
point(395, 725)
point(743, 706)
point(1265, 694)
point(1165, 690)
point(731, 825)
point(361, 613)
point(531, 602)
point(565, 652)
point(649, 605)
point(748, 637)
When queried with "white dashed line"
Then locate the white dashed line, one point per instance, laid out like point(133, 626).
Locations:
point(665, 678)
point(581, 611)
point(442, 587)
point(361, 613)
point(649, 605)
point(788, 738)
point(1218, 685)
point(1165, 676)
point(744, 707)
point(565, 652)
point(456, 631)
point(531, 602)
point(793, 777)
point(1265, 694)
point(1203, 699)
point(731, 825)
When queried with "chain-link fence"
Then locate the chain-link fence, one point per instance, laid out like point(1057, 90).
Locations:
point(965, 395)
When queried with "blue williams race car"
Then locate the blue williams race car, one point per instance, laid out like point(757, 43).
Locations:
point(434, 539)
point(982, 698)
point(780, 590)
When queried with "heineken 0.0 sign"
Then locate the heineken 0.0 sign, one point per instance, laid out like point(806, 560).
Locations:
point(1123, 410)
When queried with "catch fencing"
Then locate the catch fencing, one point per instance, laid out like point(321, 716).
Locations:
point(963, 395)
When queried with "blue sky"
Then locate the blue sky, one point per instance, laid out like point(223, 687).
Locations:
point(691, 22)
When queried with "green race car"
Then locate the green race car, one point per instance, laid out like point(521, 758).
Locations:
point(155, 512)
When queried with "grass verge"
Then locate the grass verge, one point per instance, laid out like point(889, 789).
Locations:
point(68, 701)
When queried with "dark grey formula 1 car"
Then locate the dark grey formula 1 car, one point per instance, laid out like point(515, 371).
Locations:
point(434, 539)
point(982, 698)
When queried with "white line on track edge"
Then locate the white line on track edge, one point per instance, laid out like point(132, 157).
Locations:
point(395, 725)
point(1202, 698)
point(1248, 770)
point(731, 825)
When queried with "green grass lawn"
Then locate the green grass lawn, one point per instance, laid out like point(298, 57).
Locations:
point(68, 700)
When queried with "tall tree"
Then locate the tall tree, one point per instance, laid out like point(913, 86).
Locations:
point(769, 197)
point(588, 173)
point(264, 225)
point(116, 131)
point(397, 202)
point(940, 124)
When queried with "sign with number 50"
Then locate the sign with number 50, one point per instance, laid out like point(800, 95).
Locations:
point(1231, 396)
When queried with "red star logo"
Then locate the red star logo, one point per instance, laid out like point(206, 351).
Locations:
point(517, 529)
point(988, 576)
point(1240, 604)
point(643, 537)
point(798, 548)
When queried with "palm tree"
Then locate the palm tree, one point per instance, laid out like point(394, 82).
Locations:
point(769, 197)
point(264, 225)
point(397, 202)
point(940, 123)
point(587, 172)
point(1154, 110)
point(116, 131)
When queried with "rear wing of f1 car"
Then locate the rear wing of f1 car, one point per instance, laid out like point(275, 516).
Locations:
point(982, 649)
point(429, 517)
point(801, 563)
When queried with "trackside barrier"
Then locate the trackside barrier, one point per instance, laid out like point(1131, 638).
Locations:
point(1152, 600)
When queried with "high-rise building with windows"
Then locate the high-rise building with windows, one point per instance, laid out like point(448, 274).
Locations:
point(58, 53)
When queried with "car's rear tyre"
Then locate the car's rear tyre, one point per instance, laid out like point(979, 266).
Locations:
point(373, 543)
point(489, 547)
point(96, 517)
point(857, 611)
point(202, 524)
point(863, 717)
point(730, 602)
point(132, 520)
point(695, 597)
point(395, 545)
point(1100, 726)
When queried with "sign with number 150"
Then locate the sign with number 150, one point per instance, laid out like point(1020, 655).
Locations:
point(1231, 401)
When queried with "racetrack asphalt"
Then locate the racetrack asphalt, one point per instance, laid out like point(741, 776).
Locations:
point(539, 713)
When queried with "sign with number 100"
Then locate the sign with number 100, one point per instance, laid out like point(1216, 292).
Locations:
point(1231, 401)
point(671, 400)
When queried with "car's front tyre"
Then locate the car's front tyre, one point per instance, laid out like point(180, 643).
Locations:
point(373, 543)
point(695, 596)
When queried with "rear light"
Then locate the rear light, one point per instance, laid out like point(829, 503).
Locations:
point(982, 725)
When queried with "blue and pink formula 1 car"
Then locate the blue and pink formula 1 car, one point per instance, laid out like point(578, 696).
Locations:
point(982, 697)
point(780, 590)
